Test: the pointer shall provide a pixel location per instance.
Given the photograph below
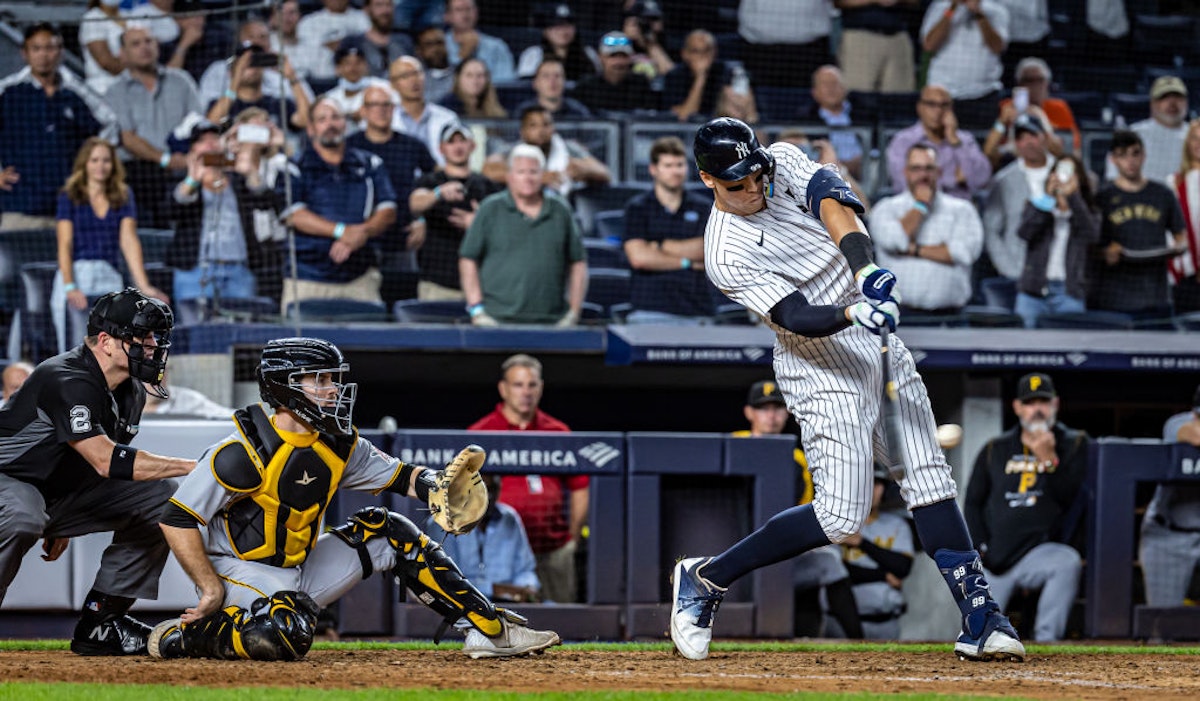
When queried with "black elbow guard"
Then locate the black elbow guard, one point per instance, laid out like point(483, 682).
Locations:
point(120, 465)
point(795, 314)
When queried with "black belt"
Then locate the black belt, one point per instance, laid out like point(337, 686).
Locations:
point(1162, 521)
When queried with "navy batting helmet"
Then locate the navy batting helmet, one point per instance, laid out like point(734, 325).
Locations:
point(727, 149)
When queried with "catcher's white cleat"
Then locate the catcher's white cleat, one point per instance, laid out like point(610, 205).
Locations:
point(515, 640)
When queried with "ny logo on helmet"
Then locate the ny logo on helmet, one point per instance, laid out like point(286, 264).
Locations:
point(743, 149)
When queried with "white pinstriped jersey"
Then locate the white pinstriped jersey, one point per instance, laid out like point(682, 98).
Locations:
point(832, 384)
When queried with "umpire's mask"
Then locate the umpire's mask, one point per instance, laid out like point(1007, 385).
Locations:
point(143, 325)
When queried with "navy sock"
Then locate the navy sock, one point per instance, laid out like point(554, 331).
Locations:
point(941, 526)
point(787, 534)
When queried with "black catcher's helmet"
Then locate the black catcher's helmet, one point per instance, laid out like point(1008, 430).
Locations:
point(727, 149)
point(134, 318)
point(324, 401)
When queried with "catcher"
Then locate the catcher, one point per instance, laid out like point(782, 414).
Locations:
point(263, 571)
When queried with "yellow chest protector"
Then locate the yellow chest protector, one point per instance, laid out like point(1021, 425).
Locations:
point(285, 480)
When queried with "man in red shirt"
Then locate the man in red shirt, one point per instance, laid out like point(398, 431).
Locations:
point(542, 501)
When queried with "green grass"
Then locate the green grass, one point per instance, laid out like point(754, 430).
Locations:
point(100, 692)
point(757, 646)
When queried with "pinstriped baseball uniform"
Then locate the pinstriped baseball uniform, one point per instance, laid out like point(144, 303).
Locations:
point(833, 384)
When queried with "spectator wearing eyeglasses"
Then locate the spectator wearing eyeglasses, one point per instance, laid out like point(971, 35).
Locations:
point(965, 169)
point(405, 158)
point(1032, 75)
point(929, 240)
point(416, 116)
point(617, 88)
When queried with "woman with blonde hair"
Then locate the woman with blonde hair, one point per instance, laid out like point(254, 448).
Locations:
point(473, 95)
point(1185, 269)
point(97, 225)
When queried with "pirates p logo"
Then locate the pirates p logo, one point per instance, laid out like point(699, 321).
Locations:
point(743, 149)
point(1034, 383)
point(768, 389)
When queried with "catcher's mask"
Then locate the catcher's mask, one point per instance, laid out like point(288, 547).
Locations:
point(143, 325)
point(305, 376)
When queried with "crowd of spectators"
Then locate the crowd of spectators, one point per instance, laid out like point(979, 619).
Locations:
point(367, 102)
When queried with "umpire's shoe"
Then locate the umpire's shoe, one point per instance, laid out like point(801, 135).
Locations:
point(696, 602)
point(998, 641)
point(119, 635)
point(515, 639)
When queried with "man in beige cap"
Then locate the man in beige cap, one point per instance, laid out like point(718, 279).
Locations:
point(1163, 133)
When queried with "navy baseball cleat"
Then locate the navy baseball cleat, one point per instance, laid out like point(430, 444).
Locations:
point(696, 602)
point(119, 635)
point(998, 641)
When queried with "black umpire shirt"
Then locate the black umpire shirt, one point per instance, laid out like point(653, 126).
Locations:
point(65, 399)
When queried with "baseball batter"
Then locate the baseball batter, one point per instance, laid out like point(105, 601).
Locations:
point(66, 469)
point(260, 568)
point(784, 239)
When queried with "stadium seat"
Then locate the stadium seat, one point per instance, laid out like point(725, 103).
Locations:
point(1091, 319)
point(603, 253)
point(416, 311)
point(1133, 107)
point(1188, 322)
point(590, 200)
point(609, 225)
point(513, 93)
point(608, 287)
point(1088, 106)
point(999, 292)
point(1163, 39)
point(196, 311)
point(339, 310)
point(783, 104)
point(986, 317)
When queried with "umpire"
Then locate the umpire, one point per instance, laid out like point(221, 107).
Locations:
point(66, 469)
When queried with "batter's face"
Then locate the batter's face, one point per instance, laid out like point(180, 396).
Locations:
point(521, 391)
point(741, 197)
point(767, 419)
point(1038, 414)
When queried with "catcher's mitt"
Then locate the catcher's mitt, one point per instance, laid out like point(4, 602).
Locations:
point(458, 497)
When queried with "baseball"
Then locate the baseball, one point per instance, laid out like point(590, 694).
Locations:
point(949, 436)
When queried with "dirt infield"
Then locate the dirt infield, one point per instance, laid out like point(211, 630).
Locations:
point(1060, 676)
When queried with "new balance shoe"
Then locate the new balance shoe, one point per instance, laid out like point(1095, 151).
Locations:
point(165, 641)
point(115, 636)
point(515, 639)
point(998, 641)
point(696, 601)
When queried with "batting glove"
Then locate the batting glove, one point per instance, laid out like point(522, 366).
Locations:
point(877, 284)
point(875, 315)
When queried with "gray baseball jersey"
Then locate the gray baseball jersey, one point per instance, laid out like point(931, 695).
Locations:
point(261, 531)
point(833, 384)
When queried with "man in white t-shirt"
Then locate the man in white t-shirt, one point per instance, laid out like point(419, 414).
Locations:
point(328, 26)
point(1164, 132)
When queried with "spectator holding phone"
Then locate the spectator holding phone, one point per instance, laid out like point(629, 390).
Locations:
point(246, 89)
point(1031, 95)
point(1059, 229)
point(221, 249)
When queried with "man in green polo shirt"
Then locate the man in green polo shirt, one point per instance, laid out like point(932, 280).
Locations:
point(522, 260)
